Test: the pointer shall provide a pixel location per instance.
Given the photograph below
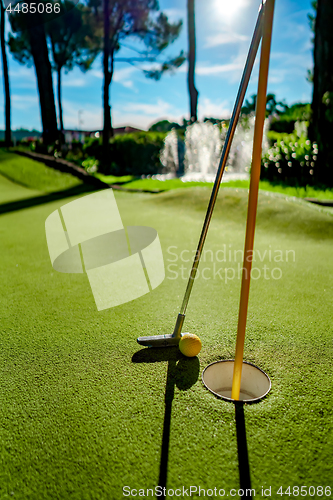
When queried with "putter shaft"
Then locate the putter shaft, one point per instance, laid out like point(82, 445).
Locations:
point(172, 340)
point(226, 149)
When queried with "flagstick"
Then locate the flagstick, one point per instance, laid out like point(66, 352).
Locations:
point(253, 195)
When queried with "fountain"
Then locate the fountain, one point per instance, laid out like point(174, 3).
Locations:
point(172, 156)
point(203, 145)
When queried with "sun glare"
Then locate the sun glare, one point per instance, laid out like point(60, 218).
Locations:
point(229, 9)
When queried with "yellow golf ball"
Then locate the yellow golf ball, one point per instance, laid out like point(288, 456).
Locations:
point(190, 345)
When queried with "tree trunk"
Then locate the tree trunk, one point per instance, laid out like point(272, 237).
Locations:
point(43, 70)
point(107, 127)
point(5, 78)
point(61, 123)
point(321, 127)
point(191, 60)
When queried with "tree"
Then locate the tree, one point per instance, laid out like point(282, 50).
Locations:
point(5, 77)
point(321, 126)
point(272, 105)
point(191, 61)
point(29, 45)
point(133, 19)
point(71, 41)
point(163, 126)
point(312, 23)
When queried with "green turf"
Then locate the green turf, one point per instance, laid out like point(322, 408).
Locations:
point(34, 174)
point(37, 176)
point(167, 185)
point(113, 179)
point(80, 419)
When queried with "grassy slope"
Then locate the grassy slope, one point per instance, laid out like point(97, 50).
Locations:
point(80, 420)
point(33, 174)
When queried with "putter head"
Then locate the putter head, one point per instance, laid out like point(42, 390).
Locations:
point(170, 340)
point(159, 341)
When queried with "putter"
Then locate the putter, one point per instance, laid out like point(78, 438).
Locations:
point(173, 339)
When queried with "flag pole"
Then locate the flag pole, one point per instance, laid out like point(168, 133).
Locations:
point(253, 195)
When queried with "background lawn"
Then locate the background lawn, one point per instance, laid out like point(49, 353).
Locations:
point(83, 407)
point(167, 185)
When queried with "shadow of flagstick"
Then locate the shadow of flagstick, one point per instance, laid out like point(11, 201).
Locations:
point(243, 457)
point(169, 395)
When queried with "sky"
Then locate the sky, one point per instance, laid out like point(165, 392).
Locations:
point(223, 32)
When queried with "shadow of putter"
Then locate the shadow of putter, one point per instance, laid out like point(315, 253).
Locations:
point(183, 373)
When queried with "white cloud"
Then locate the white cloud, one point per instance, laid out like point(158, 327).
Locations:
point(97, 73)
point(74, 82)
point(160, 107)
point(128, 84)
point(224, 39)
point(217, 69)
point(142, 115)
point(296, 26)
point(175, 15)
point(231, 69)
point(22, 77)
point(24, 102)
point(215, 109)
point(122, 76)
point(90, 119)
point(288, 65)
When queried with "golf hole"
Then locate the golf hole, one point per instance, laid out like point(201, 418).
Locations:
point(255, 383)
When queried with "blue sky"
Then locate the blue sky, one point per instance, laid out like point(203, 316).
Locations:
point(224, 29)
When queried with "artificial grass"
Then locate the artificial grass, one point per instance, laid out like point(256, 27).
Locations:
point(169, 184)
point(83, 407)
point(34, 174)
point(39, 177)
point(113, 179)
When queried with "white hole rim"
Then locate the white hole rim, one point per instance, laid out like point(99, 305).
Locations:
point(237, 401)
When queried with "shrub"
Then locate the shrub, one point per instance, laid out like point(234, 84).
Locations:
point(134, 154)
point(39, 147)
point(92, 147)
point(163, 126)
point(291, 160)
point(90, 165)
point(280, 125)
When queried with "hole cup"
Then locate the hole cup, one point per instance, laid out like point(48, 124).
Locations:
point(255, 383)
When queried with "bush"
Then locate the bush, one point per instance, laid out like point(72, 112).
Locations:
point(90, 165)
point(131, 154)
point(285, 122)
point(282, 125)
point(40, 147)
point(92, 147)
point(291, 160)
point(164, 126)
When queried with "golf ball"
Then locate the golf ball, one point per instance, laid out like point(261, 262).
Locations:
point(190, 345)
